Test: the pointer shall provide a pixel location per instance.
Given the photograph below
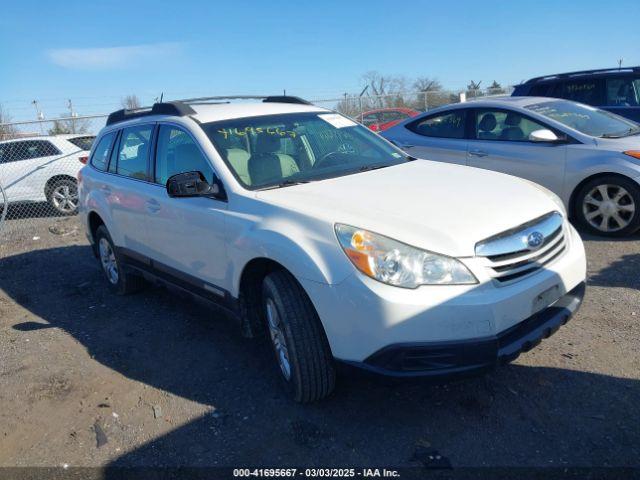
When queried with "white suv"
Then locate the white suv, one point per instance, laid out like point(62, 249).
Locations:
point(38, 169)
point(310, 227)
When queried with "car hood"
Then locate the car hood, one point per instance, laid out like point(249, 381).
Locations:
point(436, 206)
point(620, 144)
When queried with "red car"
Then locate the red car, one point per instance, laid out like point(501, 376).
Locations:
point(382, 118)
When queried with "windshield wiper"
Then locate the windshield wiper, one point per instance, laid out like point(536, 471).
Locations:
point(285, 183)
point(628, 133)
point(366, 168)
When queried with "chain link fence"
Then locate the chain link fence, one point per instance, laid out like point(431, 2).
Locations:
point(39, 165)
point(38, 174)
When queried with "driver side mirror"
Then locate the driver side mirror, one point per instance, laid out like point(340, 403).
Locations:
point(543, 135)
point(193, 184)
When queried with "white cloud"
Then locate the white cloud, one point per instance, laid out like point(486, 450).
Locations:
point(111, 57)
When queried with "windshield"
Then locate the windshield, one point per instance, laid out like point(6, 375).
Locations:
point(281, 150)
point(585, 119)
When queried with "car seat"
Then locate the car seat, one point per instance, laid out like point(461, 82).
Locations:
point(486, 126)
point(266, 165)
point(512, 130)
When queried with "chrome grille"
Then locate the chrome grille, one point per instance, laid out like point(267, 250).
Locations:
point(512, 255)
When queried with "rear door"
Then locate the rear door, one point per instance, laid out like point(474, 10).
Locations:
point(623, 96)
point(500, 142)
point(21, 171)
point(128, 188)
point(186, 235)
point(440, 137)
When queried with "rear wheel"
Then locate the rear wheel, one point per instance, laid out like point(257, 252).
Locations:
point(120, 281)
point(297, 337)
point(62, 195)
point(609, 205)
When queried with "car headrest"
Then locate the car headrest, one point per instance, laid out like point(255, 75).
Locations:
point(266, 143)
point(512, 119)
point(488, 122)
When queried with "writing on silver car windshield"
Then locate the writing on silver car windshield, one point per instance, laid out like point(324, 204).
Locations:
point(585, 119)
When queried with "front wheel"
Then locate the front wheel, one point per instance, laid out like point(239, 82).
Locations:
point(609, 205)
point(298, 339)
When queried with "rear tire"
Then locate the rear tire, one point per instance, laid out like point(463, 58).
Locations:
point(119, 280)
point(301, 348)
point(609, 205)
point(62, 195)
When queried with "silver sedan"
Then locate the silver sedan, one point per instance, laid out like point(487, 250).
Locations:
point(588, 157)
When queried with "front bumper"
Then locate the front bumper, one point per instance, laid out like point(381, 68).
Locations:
point(467, 357)
point(362, 316)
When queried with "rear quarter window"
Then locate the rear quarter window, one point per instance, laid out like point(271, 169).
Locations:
point(83, 143)
point(100, 157)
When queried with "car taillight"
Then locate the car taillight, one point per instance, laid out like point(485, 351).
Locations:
point(84, 159)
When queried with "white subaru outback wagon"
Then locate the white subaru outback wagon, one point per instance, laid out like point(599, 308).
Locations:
point(306, 225)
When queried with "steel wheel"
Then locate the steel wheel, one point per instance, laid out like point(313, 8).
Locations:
point(608, 208)
point(108, 261)
point(278, 338)
point(64, 198)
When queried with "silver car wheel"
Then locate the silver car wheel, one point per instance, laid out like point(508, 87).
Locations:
point(608, 208)
point(278, 338)
point(65, 198)
point(108, 260)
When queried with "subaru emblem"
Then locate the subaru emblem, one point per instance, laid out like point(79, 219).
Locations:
point(535, 240)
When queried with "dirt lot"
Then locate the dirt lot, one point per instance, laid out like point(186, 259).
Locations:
point(87, 378)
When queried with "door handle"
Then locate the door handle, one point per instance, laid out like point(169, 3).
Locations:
point(406, 145)
point(478, 153)
point(153, 206)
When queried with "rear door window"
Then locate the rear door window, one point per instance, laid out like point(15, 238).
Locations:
point(133, 152)
point(100, 155)
point(445, 125)
point(623, 91)
point(30, 149)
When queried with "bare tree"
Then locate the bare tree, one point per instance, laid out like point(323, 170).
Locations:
point(131, 102)
point(66, 125)
point(6, 131)
point(426, 84)
point(384, 90)
point(473, 89)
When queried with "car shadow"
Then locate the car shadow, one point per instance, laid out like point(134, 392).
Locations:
point(517, 415)
point(27, 210)
point(622, 272)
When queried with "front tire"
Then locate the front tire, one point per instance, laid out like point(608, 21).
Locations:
point(119, 280)
point(609, 205)
point(298, 339)
point(62, 195)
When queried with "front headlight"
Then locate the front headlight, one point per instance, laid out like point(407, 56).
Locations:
point(398, 264)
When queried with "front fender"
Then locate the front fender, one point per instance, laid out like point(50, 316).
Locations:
point(595, 164)
point(309, 250)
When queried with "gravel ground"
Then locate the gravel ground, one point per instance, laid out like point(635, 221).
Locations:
point(91, 379)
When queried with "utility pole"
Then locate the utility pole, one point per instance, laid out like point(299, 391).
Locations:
point(39, 114)
point(72, 114)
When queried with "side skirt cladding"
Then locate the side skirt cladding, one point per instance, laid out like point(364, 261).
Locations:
point(182, 283)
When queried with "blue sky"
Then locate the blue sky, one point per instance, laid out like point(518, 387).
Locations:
point(97, 52)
